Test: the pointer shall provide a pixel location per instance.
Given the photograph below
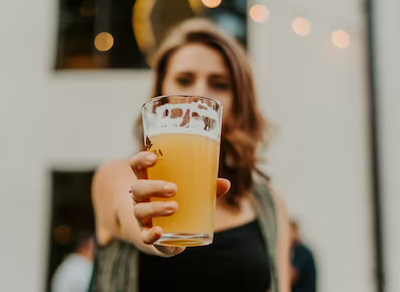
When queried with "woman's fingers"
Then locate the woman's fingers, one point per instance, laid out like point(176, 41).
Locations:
point(145, 211)
point(223, 186)
point(142, 190)
point(141, 161)
point(151, 235)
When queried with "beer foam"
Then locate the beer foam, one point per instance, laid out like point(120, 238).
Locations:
point(188, 118)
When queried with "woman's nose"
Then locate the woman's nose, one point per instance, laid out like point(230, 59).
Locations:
point(201, 88)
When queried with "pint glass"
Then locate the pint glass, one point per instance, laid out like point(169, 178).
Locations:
point(184, 132)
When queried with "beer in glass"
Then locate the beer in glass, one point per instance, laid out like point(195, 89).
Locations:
point(184, 132)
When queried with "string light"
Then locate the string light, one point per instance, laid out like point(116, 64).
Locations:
point(259, 13)
point(301, 26)
point(211, 3)
point(104, 41)
point(340, 38)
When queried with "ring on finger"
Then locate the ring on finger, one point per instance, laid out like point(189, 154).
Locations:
point(132, 195)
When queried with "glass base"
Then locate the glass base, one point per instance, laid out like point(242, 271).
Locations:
point(184, 239)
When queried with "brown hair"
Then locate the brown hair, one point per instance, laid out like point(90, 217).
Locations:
point(244, 127)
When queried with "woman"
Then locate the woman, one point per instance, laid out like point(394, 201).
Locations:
point(251, 242)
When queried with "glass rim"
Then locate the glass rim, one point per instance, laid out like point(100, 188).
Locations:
point(157, 98)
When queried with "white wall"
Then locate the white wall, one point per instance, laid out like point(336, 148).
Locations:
point(93, 114)
point(387, 53)
point(23, 146)
point(312, 92)
point(315, 95)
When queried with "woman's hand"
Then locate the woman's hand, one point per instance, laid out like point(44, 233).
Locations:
point(144, 210)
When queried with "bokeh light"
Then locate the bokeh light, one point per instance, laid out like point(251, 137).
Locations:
point(87, 10)
point(211, 3)
point(301, 26)
point(259, 13)
point(104, 41)
point(63, 234)
point(340, 38)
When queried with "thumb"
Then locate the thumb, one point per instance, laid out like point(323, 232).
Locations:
point(223, 186)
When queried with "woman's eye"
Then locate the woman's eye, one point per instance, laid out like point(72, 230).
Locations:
point(221, 85)
point(184, 81)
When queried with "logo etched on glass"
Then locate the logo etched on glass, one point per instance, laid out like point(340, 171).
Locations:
point(148, 146)
point(148, 143)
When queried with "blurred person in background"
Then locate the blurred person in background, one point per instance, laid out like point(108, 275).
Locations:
point(303, 266)
point(250, 251)
point(74, 273)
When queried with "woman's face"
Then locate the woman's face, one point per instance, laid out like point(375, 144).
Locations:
point(196, 69)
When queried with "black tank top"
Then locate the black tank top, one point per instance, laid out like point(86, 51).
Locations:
point(236, 261)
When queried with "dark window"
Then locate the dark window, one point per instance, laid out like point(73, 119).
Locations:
point(71, 214)
point(96, 34)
